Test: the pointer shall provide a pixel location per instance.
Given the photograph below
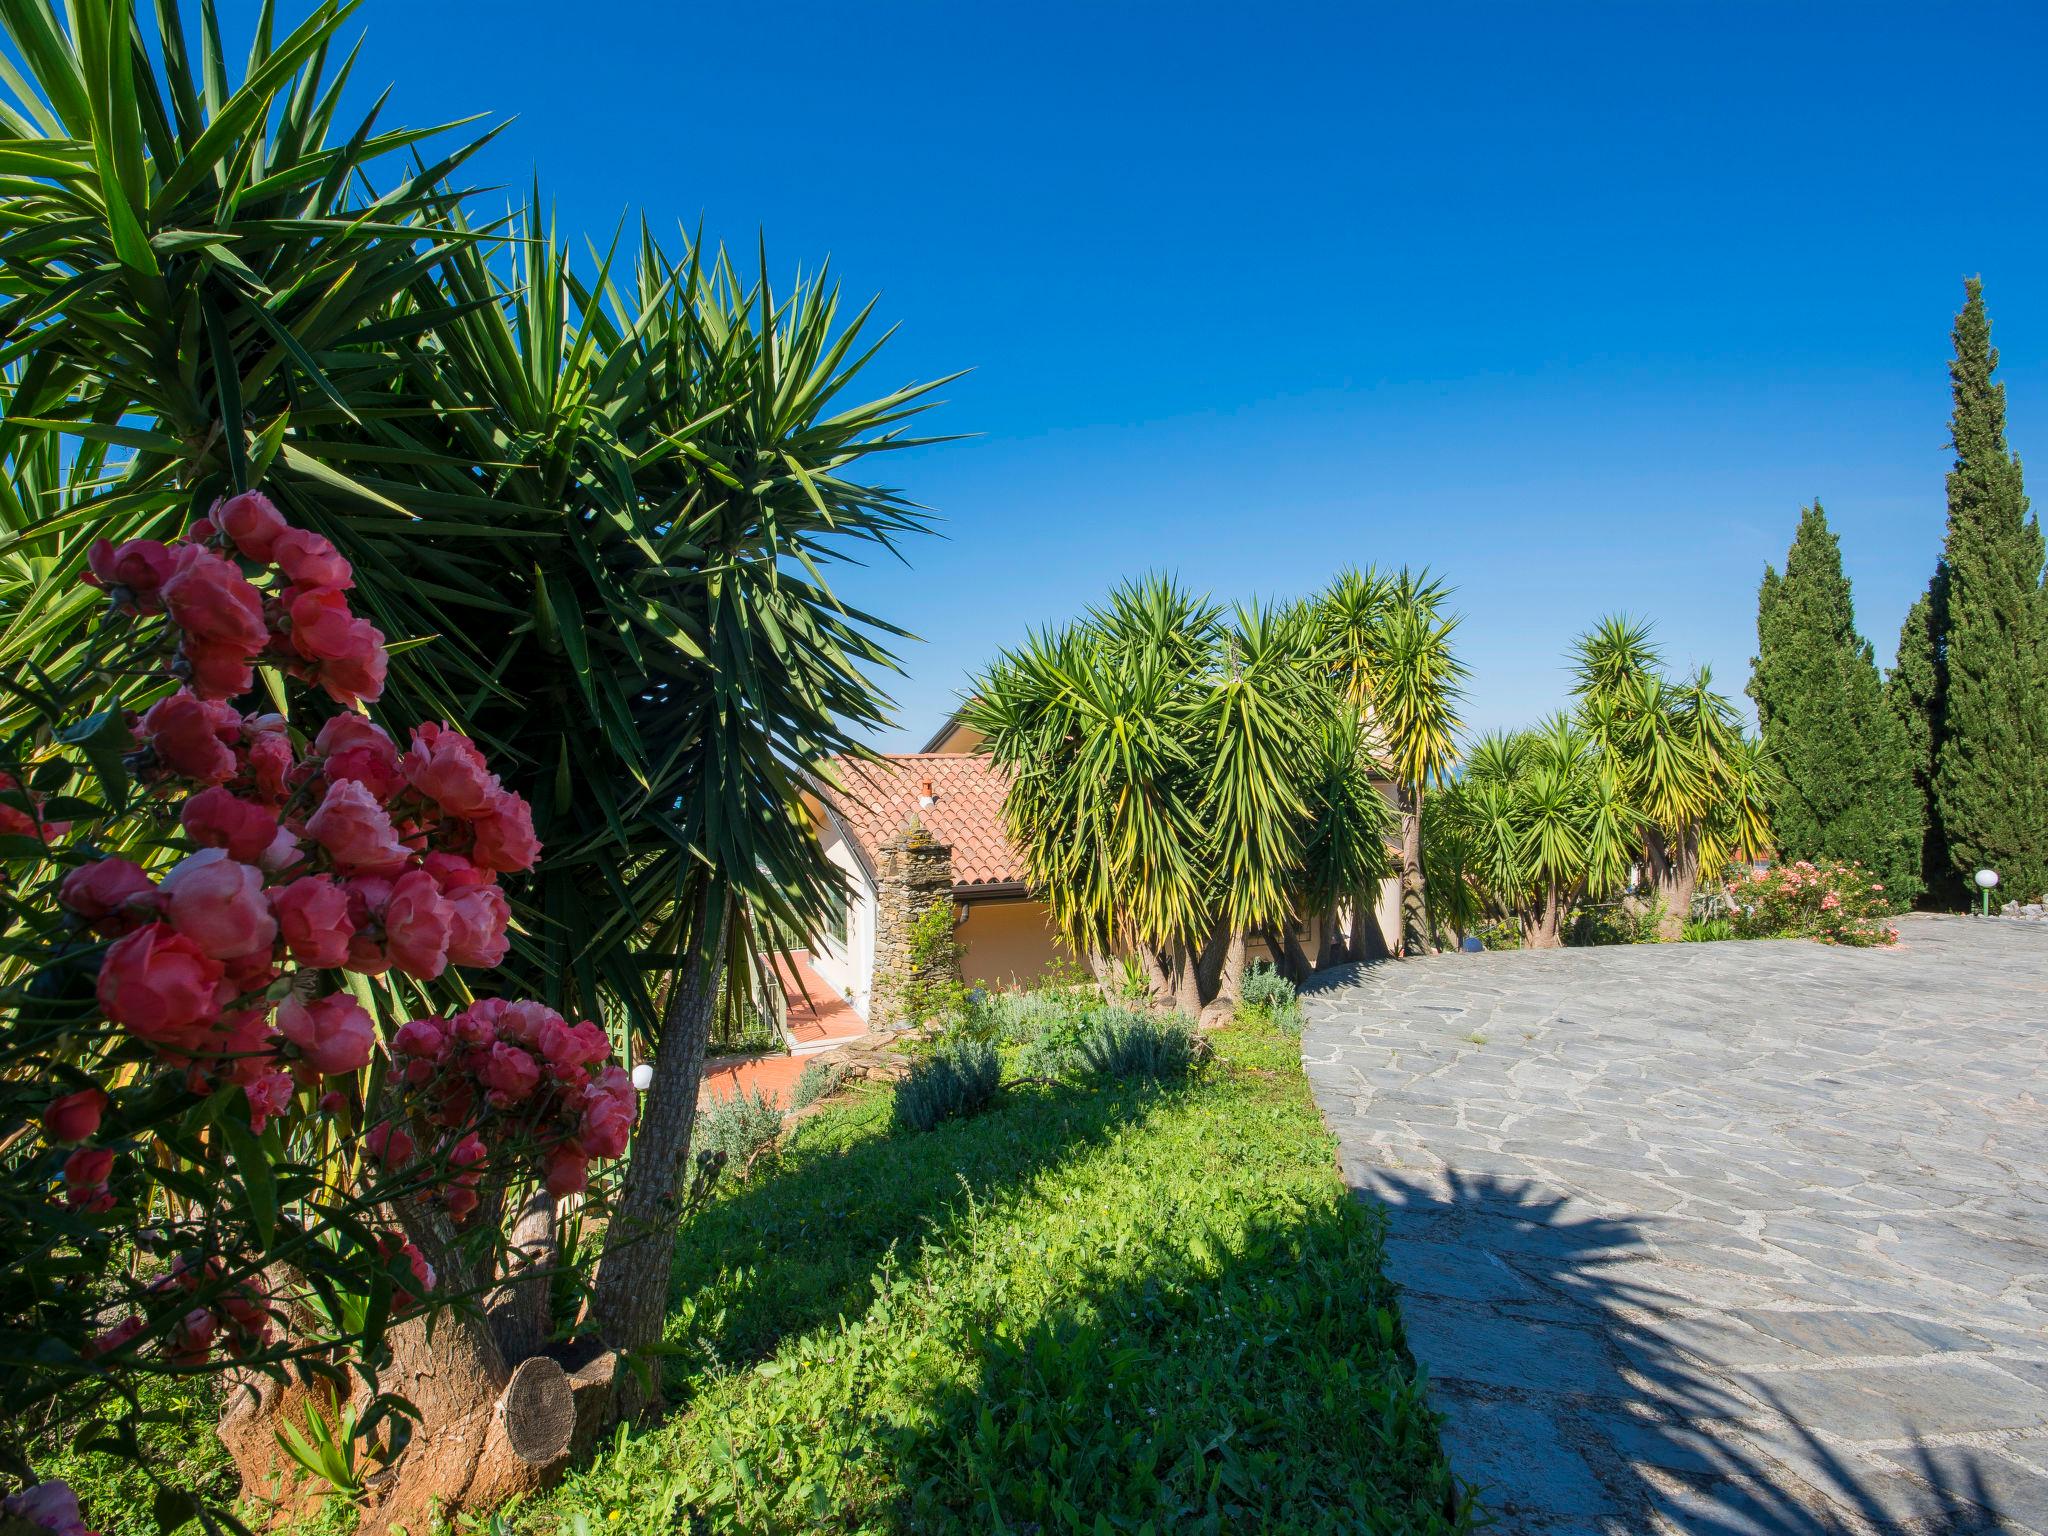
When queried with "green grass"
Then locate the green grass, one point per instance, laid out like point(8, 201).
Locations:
point(1121, 1308)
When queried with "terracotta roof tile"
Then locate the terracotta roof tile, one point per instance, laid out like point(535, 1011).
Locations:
point(966, 812)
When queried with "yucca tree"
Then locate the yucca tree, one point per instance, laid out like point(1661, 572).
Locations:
point(1544, 825)
point(1179, 779)
point(592, 507)
point(1390, 645)
point(1680, 758)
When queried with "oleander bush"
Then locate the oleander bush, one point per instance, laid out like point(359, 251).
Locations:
point(1823, 899)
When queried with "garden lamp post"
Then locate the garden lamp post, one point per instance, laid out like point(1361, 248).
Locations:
point(1987, 878)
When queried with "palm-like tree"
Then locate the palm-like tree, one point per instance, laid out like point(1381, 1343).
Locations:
point(1543, 824)
point(1679, 757)
point(1179, 778)
point(594, 507)
point(1389, 644)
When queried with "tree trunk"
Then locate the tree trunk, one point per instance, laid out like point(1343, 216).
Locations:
point(1416, 938)
point(1674, 868)
point(519, 1311)
point(1230, 981)
point(630, 1299)
point(1213, 966)
point(1158, 973)
point(1540, 924)
point(1368, 940)
point(1187, 981)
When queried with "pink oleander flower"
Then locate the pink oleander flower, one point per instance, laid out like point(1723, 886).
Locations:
point(479, 918)
point(218, 818)
point(268, 1095)
point(209, 599)
point(504, 836)
point(418, 922)
point(333, 1033)
point(356, 831)
point(87, 1173)
point(313, 916)
point(252, 522)
point(160, 986)
point(75, 1117)
point(445, 766)
point(191, 736)
point(354, 747)
point(219, 905)
point(133, 573)
point(113, 894)
point(308, 560)
point(509, 1075)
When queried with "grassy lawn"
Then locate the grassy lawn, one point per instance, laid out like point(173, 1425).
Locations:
point(1131, 1308)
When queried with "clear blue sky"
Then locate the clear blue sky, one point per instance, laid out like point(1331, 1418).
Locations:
point(1576, 305)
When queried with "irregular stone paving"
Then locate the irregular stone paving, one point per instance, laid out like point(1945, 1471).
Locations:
point(1717, 1238)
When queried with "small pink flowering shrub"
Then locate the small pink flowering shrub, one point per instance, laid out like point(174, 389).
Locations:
point(1827, 900)
point(227, 1102)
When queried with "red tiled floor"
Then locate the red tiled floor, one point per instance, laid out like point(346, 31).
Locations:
point(823, 1014)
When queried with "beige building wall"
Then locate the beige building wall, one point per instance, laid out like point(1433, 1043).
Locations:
point(1008, 944)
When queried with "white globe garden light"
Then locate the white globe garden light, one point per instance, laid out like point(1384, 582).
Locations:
point(643, 1076)
point(1987, 878)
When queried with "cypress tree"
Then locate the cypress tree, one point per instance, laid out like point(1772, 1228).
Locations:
point(1913, 692)
point(1991, 762)
point(1845, 787)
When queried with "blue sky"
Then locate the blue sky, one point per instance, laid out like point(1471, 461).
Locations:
point(1576, 305)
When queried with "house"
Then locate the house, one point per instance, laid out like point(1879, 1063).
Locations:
point(909, 828)
point(954, 796)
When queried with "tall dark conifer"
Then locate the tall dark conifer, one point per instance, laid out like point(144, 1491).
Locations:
point(1913, 692)
point(1845, 787)
point(1991, 763)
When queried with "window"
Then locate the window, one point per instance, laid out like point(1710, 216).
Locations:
point(836, 911)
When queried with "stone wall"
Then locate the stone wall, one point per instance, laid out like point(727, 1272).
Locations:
point(913, 873)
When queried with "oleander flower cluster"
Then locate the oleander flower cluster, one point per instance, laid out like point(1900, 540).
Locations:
point(302, 859)
point(1827, 899)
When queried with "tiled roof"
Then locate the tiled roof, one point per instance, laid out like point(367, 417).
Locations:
point(966, 813)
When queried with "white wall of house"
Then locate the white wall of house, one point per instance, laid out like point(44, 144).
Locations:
point(847, 962)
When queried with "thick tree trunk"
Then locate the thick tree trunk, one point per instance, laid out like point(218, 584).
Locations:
point(1158, 965)
point(631, 1295)
point(1416, 938)
point(1187, 981)
point(1368, 941)
point(1540, 924)
point(1674, 868)
point(1230, 980)
point(1212, 968)
point(519, 1311)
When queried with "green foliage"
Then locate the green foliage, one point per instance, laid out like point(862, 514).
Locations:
point(1709, 930)
point(739, 1128)
point(1913, 693)
point(1174, 1292)
point(1264, 991)
point(1616, 922)
point(1544, 825)
point(1991, 761)
point(1843, 787)
point(326, 1450)
point(1819, 899)
point(933, 991)
point(1136, 1046)
point(1174, 769)
point(818, 1080)
point(950, 1084)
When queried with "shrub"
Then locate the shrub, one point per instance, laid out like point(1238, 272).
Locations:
point(740, 1127)
point(1707, 930)
point(954, 1082)
point(1138, 1045)
point(1264, 990)
point(818, 1079)
point(1826, 900)
point(1616, 923)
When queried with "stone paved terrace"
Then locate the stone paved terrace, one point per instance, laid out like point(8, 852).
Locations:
point(1717, 1238)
